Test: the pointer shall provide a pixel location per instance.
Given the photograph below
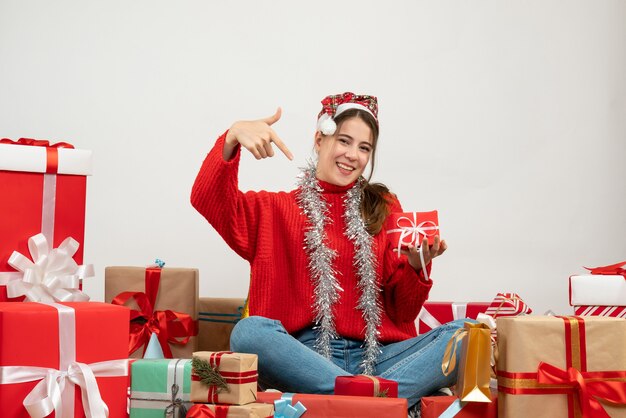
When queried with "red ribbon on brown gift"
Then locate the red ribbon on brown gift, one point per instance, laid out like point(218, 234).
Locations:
point(171, 327)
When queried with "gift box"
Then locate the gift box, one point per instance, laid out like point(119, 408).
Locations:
point(164, 301)
point(160, 387)
point(434, 314)
point(57, 351)
point(556, 366)
point(596, 289)
point(216, 319)
point(224, 377)
point(251, 410)
point(507, 304)
point(338, 406)
point(410, 228)
point(451, 406)
point(363, 385)
point(43, 189)
point(613, 311)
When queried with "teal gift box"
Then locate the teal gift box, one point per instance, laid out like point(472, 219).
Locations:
point(160, 387)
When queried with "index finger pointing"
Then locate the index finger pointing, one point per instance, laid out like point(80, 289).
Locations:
point(281, 146)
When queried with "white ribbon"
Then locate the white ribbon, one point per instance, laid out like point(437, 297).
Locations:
point(414, 232)
point(51, 276)
point(458, 311)
point(55, 390)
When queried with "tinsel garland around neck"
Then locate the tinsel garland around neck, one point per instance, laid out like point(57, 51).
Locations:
point(323, 275)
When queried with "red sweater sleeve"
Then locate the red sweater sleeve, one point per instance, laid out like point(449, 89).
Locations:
point(215, 194)
point(405, 290)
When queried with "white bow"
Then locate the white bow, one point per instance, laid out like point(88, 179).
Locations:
point(51, 276)
point(46, 395)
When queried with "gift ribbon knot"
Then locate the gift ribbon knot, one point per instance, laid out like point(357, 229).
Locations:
point(409, 228)
point(51, 276)
point(587, 390)
point(613, 269)
point(177, 407)
point(171, 327)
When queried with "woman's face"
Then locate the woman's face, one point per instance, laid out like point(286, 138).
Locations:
point(344, 155)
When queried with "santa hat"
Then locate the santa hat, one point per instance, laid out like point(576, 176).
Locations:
point(334, 105)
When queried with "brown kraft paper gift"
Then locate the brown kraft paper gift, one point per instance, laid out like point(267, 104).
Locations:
point(178, 292)
point(237, 377)
point(542, 361)
point(216, 319)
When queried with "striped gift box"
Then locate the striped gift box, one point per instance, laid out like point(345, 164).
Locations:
point(507, 304)
point(613, 311)
point(159, 387)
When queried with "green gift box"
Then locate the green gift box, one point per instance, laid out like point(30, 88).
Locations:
point(160, 387)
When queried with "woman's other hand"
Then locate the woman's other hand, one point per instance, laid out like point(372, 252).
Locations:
point(256, 136)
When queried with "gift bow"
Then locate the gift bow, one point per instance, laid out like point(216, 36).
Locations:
point(36, 143)
point(52, 276)
point(171, 327)
point(587, 390)
point(46, 395)
point(615, 269)
point(176, 408)
point(413, 230)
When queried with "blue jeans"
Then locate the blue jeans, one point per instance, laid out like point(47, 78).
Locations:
point(290, 364)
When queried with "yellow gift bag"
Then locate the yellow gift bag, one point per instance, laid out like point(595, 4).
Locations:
point(474, 366)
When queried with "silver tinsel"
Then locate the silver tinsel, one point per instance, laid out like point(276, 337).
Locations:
point(365, 265)
point(323, 275)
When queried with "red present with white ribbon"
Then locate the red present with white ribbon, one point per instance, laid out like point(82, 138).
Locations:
point(434, 314)
point(507, 304)
point(603, 286)
point(66, 359)
point(42, 188)
point(612, 311)
point(410, 228)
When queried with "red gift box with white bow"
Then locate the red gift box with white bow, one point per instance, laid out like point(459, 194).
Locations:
point(434, 314)
point(43, 189)
point(410, 228)
point(63, 360)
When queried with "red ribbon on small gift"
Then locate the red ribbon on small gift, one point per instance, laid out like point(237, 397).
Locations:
point(231, 378)
point(52, 154)
point(171, 327)
point(613, 269)
point(203, 411)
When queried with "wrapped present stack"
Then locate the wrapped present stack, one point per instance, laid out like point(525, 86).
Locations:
point(601, 292)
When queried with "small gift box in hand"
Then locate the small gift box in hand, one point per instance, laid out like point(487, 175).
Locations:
point(410, 228)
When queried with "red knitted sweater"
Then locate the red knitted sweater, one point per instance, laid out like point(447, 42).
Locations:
point(267, 229)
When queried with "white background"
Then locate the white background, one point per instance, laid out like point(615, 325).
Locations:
point(508, 117)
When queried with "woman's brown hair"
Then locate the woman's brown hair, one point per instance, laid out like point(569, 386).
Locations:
point(374, 203)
